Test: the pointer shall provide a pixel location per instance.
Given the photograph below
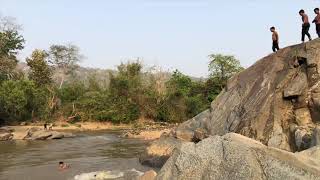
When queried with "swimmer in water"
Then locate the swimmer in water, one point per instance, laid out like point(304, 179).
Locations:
point(63, 166)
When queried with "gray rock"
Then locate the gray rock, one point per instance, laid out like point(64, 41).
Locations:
point(303, 139)
point(6, 129)
point(200, 134)
point(235, 157)
point(159, 151)
point(185, 135)
point(23, 123)
point(303, 116)
point(6, 136)
point(262, 101)
point(313, 152)
point(316, 137)
point(39, 134)
point(297, 86)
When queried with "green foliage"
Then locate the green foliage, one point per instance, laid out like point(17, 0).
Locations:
point(71, 92)
point(23, 100)
point(179, 83)
point(40, 71)
point(64, 58)
point(132, 93)
point(10, 43)
point(223, 67)
point(184, 99)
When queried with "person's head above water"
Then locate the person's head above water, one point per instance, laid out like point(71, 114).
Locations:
point(63, 165)
point(316, 10)
point(272, 29)
point(301, 12)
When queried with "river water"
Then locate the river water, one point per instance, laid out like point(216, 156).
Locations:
point(88, 152)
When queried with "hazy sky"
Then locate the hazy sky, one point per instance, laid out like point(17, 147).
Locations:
point(168, 33)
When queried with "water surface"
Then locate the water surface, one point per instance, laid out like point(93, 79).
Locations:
point(88, 152)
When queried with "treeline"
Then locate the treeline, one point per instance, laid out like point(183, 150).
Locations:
point(132, 92)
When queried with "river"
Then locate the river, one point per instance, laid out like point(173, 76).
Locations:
point(88, 152)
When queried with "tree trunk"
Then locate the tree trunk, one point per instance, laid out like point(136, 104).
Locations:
point(61, 82)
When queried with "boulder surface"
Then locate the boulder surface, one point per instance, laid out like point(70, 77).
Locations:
point(159, 152)
point(40, 134)
point(236, 157)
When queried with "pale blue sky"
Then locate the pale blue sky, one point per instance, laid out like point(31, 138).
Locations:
point(168, 33)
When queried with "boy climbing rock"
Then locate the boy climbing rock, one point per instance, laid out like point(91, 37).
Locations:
point(305, 25)
point(317, 21)
point(275, 39)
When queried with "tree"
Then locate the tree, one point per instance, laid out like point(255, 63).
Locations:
point(8, 23)
point(10, 43)
point(21, 99)
point(223, 67)
point(179, 83)
point(40, 71)
point(65, 58)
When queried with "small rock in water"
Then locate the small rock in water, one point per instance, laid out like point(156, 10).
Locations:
point(6, 136)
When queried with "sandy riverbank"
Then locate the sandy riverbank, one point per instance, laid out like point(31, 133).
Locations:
point(147, 134)
point(150, 134)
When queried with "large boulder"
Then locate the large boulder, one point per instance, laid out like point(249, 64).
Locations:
point(39, 134)
point(159, 151)
point(236, 157)
point(265, 100)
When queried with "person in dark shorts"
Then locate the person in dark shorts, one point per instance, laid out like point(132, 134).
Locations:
point(305, 25)
point(317, 21)
point(275, 39)
point(45, 126)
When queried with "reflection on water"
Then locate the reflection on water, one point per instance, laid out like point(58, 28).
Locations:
point(94, 151)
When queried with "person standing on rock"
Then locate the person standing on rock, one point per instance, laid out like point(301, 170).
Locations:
point(305, 25)
point(317, 21)
point(275, 39)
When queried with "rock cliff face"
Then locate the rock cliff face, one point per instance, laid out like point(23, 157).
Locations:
point(276, 101)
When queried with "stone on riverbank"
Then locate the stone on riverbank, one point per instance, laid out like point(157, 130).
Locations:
point(39, 134)
point(6, 133)
point(159, 151)
point(236, 157)
point(6, 136)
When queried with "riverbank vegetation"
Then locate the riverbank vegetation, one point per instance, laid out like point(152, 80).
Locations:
point(51, 89)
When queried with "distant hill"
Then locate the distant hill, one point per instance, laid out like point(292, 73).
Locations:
point(102, 76)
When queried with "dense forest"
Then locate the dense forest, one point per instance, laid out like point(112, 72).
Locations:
point(51, 89)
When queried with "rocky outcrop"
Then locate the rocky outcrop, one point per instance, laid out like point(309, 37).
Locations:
point(159, 151)
point(276, 101)
point(39, 134)
point(236, 157)
point(6, 136)
point(6, 133)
